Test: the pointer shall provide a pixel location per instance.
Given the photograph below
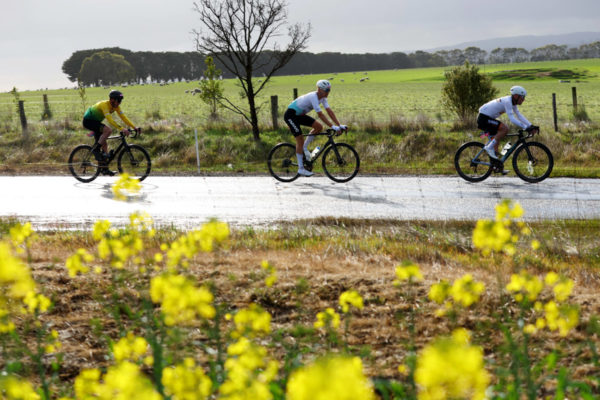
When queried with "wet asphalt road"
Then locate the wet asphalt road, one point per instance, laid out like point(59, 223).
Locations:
point(186, 202)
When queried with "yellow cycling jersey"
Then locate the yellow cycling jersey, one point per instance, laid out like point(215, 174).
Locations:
point(102, 110)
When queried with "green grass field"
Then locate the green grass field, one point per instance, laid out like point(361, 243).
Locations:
point(385, 94)
point(397, 122)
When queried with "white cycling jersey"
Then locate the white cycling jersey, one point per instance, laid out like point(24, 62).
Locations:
point(307, 102)
point(495, 108)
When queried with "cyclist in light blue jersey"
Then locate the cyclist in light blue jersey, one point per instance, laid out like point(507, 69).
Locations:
point(295, 116)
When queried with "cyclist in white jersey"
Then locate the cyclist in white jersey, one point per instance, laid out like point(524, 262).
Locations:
point(295, 116)
point(488, 113)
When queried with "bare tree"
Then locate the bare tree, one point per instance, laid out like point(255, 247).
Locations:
point(237, 33)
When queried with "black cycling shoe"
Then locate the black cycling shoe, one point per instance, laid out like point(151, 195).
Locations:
point(107, 172)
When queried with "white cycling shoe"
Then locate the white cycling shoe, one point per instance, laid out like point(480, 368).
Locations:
point(304, 172)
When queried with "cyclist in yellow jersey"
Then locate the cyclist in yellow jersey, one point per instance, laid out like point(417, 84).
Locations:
point(93, 117)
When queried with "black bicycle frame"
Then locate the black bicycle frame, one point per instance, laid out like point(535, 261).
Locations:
point(522, 139)
point(330, 142)
point(122, 145)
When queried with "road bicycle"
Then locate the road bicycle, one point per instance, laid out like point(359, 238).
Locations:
point(132, 159)
point(340, 161)
point(532, 161)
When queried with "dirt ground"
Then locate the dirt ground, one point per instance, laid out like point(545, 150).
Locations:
point(308, 283)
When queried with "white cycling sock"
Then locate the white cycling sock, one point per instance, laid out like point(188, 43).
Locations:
point(307, 141)
point(300, 161)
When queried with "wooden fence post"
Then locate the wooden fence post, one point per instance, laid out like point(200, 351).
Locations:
point(295, 93)
point(23, 119)
point(47, 114)
point(554, 115)
point(574, 91)
point(274, 111)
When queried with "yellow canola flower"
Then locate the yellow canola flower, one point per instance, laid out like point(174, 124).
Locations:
point(130, 348)
point(15, 279)
point(123, 381)
point(270, 269)
point(126, 186)
point(562, 287)
point(350, 298)
point(251, 322)
point(249, 372)
point(524, 286)
point(75, 263)
point(36, 302)
point(327, 319)
point(186, 381)
point(497, 235)
point(330, 378)
point(100, 229)
point(204, 239)
point(142, 222)
point(19, 233)
point(181, 301)
point(451, 368)
point(408, 272)
point(465, 291)
point(440, 291)
point(562, 318)
point(12, 388)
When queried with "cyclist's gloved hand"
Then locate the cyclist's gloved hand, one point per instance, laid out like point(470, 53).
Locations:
point(343, 127)
point(125, 132)
point(336, 129)
point(138, 130)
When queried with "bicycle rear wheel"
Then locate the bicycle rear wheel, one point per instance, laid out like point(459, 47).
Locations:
point(282, 162)
point(83, 164)
point(468, 162)
point(340, 162)
point(533, 162)
point(135, 161)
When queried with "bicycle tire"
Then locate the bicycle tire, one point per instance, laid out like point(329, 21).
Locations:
point(282, 162)
point(466, 168)
point(340, 162)
point(533, 162)
point(135, 161)
point(82, 164)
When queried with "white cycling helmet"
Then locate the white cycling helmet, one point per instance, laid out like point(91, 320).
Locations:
point(324, 84)
point(518, 90)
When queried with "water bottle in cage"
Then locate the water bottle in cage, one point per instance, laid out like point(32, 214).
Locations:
point(315, 152)
point(506, 147)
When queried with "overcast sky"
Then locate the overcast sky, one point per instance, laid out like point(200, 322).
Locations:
point(36, 36)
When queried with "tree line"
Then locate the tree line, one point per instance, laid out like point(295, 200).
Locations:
point(176, 66)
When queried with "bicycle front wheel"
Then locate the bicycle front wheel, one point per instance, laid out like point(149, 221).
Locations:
point(135, 161)
point(340, 162)
point(282, 162)
point(533, 162)
point(83, 164)
point(469, 160)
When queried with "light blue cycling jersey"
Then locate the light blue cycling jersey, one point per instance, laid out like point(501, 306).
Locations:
point(307, 102)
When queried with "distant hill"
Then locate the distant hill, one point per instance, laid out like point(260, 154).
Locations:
point(528, 42)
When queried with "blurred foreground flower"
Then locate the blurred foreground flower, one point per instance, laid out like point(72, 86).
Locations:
point(330, 378)
point(451, 368)
point(126, 186)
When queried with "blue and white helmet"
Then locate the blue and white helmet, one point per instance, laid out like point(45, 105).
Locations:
point(520, 90)
point(324, 84)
